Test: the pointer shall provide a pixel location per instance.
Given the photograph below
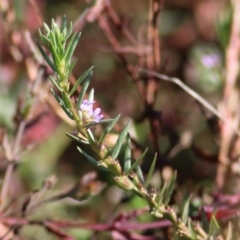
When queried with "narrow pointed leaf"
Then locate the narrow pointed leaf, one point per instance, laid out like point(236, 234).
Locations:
point(140, 174)
point(53, 24)
point(43, 38)
point(61, 103)
point(116, 149)
point(214, 226)
point(61, 53)
point(69, 44)
point(162, 194)
point(64, 23)
point(191, 229)
point(69, 114)
point(55, 84)
point(91, 160)
point(55, 56)
point(53, 38)
point(69, 32)
point(185, 211)
point(106, 120)
point(92, 124)
point(46, 27)
point(71, 47)
point(137, 162)
point(70, 68)
point(67, 100)
point(127, 154)
point(91, 95)
point(150, 173)
point(80, 79)
point(58, 38)
point(108, 129)
point(170, 188)
point(59, 100)
point(229, 232)
point(48, 60)
point(75, 138)
point(91, 137)
point(84, 89)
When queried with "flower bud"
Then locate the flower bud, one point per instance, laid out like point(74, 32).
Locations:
point(124, 182)
point(156, 213)
point(115, 167)
point(136, 180)
point(153, 194)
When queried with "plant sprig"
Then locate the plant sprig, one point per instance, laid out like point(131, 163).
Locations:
point(61, 43)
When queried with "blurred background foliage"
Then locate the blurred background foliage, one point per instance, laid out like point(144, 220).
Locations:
point(193, 36)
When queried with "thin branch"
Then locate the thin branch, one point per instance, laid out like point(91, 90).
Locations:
point(230, 101)
point(191, 92)
point(118, 23)
point(11, 163)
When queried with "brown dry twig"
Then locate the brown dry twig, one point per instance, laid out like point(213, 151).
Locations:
point(230, 103)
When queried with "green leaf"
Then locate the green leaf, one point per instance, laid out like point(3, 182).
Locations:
point(137, 162)
point(69, 44)
point(75, 138)
point(229, 232)
point(70, 68)
point(91, 95)
point(185, 211)
point(170, 188)
point(55, 84)
point(108, 129)
point(162, 194)
point(66, 100)
point(62, 104)
point(43, 38)
point(46, 28)
point(52, 38)
point(58, 36)
point(69, 32)
point(92, 124)
point(48, 60)
point(71, 47)
point(90, 136)
point(116, 149)
point(59, 100)
point(191, 229)
point(150, 173)
point(91, 160)
point(53, 24)
point(214, 226)
point(55, 56)
point(127, 154)
point(64, 23)
point(140, 174)
point(84, 89)
point(81, 78)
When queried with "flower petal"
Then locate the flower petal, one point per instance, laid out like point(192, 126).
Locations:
point(86, 105)
point(96, 112)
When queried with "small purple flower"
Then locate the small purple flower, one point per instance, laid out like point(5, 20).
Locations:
point(90, 115)
point(86, 106)
point(96, 116)
point(211, 60)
